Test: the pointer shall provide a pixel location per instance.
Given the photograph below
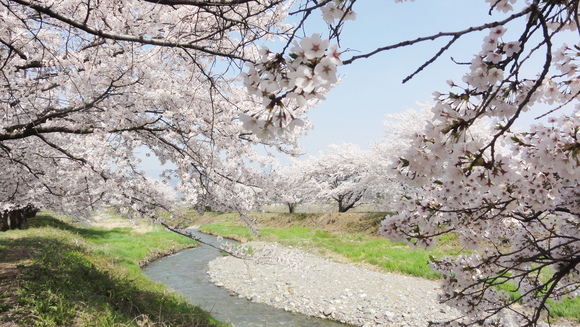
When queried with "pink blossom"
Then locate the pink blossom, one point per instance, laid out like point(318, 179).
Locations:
point(325, 71)
point(511, 48)
point(314, 46)
point(304, 78)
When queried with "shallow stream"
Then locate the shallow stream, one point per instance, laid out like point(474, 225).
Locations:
point(186, 273)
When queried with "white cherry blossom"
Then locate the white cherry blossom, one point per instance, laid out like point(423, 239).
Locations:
point(314, 46)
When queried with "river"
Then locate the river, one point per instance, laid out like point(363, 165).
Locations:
point(186, 273)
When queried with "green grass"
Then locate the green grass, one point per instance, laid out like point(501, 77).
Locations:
point(567, 308)
point(228, 230)
point(62, 275)
point(380, 252)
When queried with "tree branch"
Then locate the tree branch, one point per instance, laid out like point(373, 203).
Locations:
point(118, 37)
point(439, 35)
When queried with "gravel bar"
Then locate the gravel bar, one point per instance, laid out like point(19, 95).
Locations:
point(293, 280)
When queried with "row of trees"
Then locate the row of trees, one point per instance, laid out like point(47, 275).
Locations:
point(15, 217)
point(346, 176)
point(85, 85)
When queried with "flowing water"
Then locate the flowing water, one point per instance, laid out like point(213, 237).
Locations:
point(186, 273)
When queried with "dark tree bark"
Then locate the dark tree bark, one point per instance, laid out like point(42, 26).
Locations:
point(349, 200)
point(14, 218)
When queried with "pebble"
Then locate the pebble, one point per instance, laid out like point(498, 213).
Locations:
point(315, 286)
point(293, 280)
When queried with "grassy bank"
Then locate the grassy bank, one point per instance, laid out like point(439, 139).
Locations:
point(364, 223)
point(347, 237)
point(56, 274)
point(371, 252)
point(357, 245)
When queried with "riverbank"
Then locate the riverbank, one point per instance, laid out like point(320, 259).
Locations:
point(365, 223)
point(292, 280)
point(361, 249)
point(56, 273)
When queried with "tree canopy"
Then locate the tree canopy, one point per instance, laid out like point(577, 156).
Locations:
point(87, 85)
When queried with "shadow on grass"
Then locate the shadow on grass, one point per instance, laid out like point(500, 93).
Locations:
point(55, 280)
point(46, 220)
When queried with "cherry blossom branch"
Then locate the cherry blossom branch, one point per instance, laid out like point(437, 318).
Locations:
point(558, 107)
point(129, 38)
point(439, 35)
point(533, 89)
point(455, 36)
point(52, 113)
point(218, 3)
point(430, 61)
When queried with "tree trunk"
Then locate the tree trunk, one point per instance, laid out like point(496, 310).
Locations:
point(344, 207)
point(348, 201)
point(14, 218)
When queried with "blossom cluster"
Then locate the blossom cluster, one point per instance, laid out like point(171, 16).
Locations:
point(502, 5)
point(337, 10)
point(288, 86)
point(486, 67)
point(510, 195)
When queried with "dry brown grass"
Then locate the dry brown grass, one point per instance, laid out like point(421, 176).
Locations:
point(347, 222)
point(109, 222)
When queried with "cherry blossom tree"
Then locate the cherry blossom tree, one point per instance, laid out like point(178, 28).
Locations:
point(344, 174)
point(340, 174)
point(388, 151)
point(292, 185)
point(86, 84)
point(510, 195)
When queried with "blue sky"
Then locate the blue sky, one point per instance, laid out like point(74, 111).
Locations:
point(371, 88)
point(355, 110)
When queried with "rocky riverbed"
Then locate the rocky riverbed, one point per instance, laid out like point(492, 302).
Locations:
point(295, 281)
